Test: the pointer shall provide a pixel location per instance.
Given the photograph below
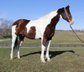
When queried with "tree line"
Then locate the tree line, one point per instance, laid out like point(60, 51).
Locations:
point(5, 28)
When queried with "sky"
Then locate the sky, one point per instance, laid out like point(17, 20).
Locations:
point(34, 9)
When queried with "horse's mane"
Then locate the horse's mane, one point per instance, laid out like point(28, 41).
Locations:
point(49, 15)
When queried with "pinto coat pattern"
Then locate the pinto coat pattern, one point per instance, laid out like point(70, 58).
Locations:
point(42, 28)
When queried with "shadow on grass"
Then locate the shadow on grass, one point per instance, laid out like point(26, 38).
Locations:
point(56, 53)
point(52, 53)
point(38, 52)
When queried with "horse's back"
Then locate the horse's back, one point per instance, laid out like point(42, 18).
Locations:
point(21, 21)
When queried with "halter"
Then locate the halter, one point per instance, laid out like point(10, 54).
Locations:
point(66, 14)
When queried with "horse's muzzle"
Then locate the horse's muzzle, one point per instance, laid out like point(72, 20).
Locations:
point(71, 22)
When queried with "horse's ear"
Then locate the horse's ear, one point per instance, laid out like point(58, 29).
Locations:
point(67, 6)
point(60, 10)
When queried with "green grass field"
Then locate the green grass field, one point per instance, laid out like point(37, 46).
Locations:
point(63, 59)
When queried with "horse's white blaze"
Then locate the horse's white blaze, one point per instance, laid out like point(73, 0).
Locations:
point(40, 24)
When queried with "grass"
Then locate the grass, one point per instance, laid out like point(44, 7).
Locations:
point(62, 60)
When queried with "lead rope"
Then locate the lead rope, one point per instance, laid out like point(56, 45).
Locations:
point(80, 41)
point(76, 34)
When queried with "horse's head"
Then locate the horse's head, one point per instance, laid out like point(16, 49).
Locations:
point(66, 14)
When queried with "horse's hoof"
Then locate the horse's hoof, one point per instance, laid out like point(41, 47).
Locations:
point(11, 58)
point(48, 59)
point(43, 61)
point(18, 57)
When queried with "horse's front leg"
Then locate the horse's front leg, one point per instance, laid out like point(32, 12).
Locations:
point(42, 53)
point(47, 50)
point(43, 47)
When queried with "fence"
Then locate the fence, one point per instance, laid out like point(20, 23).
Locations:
point(6, 43)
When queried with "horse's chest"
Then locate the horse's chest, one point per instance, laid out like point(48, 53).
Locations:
point(49, 32)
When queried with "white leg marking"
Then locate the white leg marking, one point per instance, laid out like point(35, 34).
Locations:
point(42, 53)
point(21, 43)
point(47, 50)
point(18, 48)
point(18, 54)
point(11, 54)
point(12, 46)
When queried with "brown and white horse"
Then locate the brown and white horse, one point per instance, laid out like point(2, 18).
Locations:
point(42, 28)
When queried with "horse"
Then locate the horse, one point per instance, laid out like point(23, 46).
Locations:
point(42, 28)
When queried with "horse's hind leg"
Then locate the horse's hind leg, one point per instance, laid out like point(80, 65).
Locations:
point(14, 37)
point(19, 43)
point(18, 49)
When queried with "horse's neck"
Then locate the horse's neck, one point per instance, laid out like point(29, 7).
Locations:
point(55, 20)
point(50, 19)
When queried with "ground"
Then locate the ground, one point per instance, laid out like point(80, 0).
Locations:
point(62, 60)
